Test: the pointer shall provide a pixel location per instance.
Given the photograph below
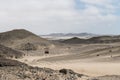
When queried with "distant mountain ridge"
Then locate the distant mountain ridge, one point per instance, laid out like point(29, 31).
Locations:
point(59, 36)
point(71, 34)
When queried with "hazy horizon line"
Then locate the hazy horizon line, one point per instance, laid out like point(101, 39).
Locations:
point(57, 32)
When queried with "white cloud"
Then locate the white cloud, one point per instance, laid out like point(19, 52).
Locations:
point(105, 6)
point(44, 16)
point(96, 2)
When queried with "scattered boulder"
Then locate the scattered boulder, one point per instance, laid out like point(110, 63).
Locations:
point(69, 71)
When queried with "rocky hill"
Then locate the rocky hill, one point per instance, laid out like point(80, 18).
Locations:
point(19, 37)
point(99, 39)
point(74, 40)
point(6, 52)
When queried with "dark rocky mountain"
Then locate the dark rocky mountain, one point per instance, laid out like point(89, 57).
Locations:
point(99, 39)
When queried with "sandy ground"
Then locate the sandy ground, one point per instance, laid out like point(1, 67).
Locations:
point(81, 58)
point(80, 66)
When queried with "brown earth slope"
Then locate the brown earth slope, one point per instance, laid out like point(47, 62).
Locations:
point(17, 38)
point(6, 52)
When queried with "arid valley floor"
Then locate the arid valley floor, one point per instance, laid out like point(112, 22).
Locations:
point(23, 57)
point(84, 59)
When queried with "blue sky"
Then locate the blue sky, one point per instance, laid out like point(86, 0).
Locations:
point(62, 16)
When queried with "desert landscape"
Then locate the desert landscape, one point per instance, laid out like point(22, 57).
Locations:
point(27, 56)
point(59, 39)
